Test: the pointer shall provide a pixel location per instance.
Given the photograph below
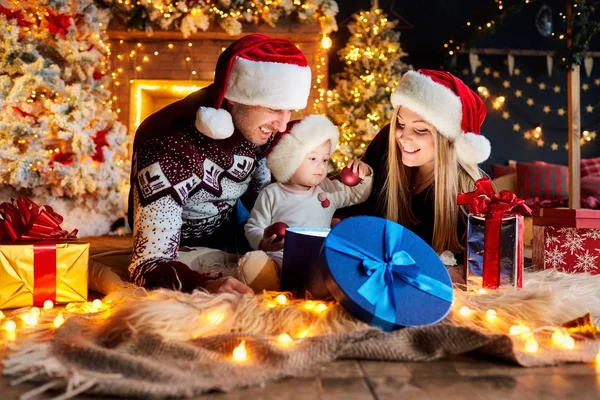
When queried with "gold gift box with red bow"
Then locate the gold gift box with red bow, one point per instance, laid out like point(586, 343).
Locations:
point(39, 261)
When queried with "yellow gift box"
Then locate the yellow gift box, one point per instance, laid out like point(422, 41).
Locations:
point(67, 262)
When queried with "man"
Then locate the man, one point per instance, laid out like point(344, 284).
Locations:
point(195, 158)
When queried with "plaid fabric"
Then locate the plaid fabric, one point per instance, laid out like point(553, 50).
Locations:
point(590, 186)
point(500, 170)
point(543, 180)
point(590, 166)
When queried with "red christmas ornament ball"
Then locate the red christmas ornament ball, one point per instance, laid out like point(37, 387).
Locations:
point(278, 228)
point(349, 178)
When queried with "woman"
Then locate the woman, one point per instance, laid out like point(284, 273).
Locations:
point(426, 156)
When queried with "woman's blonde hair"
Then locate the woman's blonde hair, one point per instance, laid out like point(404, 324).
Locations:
point(451, 177)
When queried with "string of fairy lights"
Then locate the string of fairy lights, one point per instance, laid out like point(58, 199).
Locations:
point(452, 46)
point(28, 321)
point(500, 97)
point(133, 57)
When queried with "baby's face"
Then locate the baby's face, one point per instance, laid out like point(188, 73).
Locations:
point(313, 169)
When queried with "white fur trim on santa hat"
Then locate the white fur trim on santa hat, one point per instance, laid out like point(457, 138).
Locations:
point(214, 123)
point(304, 137)
point(268, 84)
point(437, 104)
point(472, 149)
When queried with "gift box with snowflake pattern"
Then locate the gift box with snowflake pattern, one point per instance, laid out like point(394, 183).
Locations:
point(566, 240)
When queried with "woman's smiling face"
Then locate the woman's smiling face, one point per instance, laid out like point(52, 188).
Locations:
point(414, 137)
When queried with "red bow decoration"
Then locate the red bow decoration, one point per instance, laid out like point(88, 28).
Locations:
point(100, 142)
point(58, 23)
point(24, 220)
point(18, 15)
point(484, 201)
point(24, 113)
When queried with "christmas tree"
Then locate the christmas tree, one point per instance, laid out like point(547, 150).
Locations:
point(59, 138)
point(360, 103)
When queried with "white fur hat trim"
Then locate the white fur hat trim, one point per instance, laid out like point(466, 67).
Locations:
point(437, 104)
point(268, 84)
point(214, 123)
point(304, 137)
point(472, 149)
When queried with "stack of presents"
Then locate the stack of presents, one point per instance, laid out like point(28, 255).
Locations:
point(368, 264)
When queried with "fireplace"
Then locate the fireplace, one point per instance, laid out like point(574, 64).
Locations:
point(150, 72)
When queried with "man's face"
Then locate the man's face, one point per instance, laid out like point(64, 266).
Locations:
point(257, 123)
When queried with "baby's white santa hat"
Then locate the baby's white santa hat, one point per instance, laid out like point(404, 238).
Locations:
point(289, 148)
point(450, 106)
point(256, 70)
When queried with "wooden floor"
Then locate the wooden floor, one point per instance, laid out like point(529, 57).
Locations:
point(454, 378)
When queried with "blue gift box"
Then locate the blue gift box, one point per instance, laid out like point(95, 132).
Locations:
point(379, 271)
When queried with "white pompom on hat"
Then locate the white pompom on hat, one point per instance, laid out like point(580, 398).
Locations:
point(289, 148)
point(256, 70)
point(456, 111)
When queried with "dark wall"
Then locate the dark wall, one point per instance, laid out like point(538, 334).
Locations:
point(436, 21)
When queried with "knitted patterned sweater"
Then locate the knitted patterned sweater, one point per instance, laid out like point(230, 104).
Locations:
point(184, 188)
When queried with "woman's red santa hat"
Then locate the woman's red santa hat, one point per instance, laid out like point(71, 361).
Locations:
point(256, 70)
point(450, 106)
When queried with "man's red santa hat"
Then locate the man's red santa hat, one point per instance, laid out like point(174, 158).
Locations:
point(256, 70)
point(450, 106)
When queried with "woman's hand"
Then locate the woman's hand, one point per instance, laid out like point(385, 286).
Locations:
point(362, 168)
point(268, 244)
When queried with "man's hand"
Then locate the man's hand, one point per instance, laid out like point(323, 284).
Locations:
point(227, 285)
point(362, 168)
point(267, 244)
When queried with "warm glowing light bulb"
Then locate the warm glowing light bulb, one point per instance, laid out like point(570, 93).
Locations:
point(35, 311)
point(284, 338)
point(320, 308)
point(326, 42)
point(240, 353)
point(491, 314)
point(482, 291)
point(598, 358)
point(29, 319)
point(309, 305)
point(9, 326)
point(465, 311)
point(531, 345)
point(96, 304)
point(569, 342)
point(281, 299)
point(59, 320)
point(215, 318)
point(558, 337)
point(306, 333)
point(48, 305)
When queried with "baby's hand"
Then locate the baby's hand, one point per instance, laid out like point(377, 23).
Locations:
point(268, 244)
point(362, 168)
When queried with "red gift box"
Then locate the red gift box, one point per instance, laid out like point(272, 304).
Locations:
point(566, 240)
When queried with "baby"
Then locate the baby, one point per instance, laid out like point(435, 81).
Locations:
point(303, 196)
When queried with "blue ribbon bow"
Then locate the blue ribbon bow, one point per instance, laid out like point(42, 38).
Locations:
point(378, 289)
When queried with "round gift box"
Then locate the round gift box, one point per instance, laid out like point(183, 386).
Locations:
point(344, 274)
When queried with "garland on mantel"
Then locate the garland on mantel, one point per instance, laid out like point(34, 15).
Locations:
point(191, 16)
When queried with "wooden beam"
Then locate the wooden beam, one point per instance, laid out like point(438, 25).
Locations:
point(504, 52)
point(574, 118)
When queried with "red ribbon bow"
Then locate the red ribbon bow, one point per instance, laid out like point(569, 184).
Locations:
point(24, 220)
point(58, 23)
point(484, 201)
point(18, 15)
